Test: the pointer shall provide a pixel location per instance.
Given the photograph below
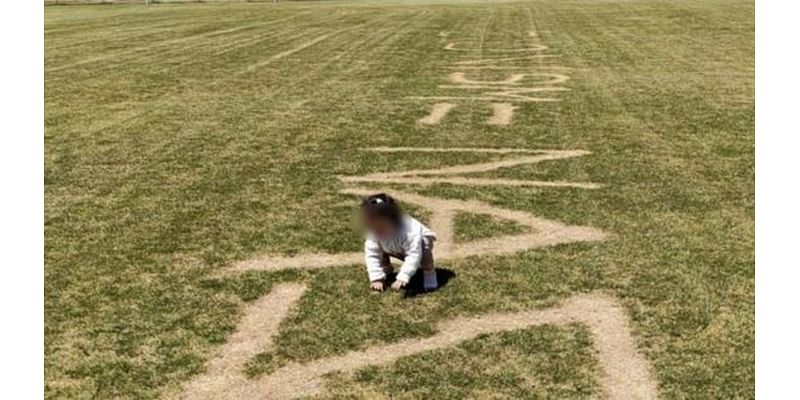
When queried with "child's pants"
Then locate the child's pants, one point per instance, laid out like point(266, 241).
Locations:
point(427, 257)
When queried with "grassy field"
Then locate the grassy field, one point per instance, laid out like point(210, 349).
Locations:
point(180, 139)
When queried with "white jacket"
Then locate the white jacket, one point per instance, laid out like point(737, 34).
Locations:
point(407, 244)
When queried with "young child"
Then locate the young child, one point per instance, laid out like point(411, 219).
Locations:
point(390, 233)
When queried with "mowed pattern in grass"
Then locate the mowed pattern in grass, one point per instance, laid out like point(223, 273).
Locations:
point(182, 138)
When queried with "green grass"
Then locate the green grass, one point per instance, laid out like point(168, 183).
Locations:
point(469, 226)
point(166, 160)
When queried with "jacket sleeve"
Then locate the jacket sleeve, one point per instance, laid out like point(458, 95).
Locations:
point(413, 257)
point(373, 254)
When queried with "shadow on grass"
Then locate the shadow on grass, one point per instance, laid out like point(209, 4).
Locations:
point(415, 287)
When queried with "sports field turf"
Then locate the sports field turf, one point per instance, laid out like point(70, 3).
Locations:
point(183, 140)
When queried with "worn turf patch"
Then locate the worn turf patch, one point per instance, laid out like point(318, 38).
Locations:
point(623, 371)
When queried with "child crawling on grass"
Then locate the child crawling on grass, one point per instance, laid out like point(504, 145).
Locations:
point(391, 233)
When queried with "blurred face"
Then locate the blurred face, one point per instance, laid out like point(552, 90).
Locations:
point(380, 227)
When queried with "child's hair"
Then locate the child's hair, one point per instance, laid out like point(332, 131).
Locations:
point(382, 205)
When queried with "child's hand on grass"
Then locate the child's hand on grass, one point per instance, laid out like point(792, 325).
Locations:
point(398, 284)
point(376, 285)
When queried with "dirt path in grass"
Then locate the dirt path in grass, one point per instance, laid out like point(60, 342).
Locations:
point(536, 157)
point(253, 335)
point(460, 78)
point(444, 175)
point(534, 47)
point(438, 112)
point(502, 114)
point(542, 232)
point(625, 374)
point(449, 150)
point(478, 182)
